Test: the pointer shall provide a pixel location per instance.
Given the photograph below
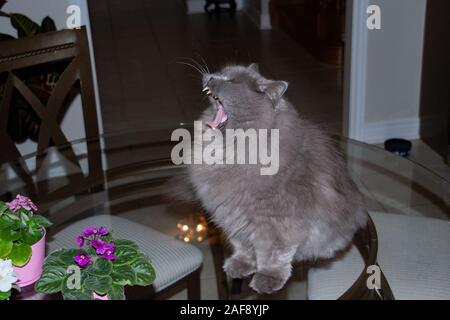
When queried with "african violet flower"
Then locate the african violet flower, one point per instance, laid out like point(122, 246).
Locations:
point(22, 202)
point(93, 237)
point(7, 275)
point(109, 253)
point(82, 260)
point(80, 241)
point(102, 231)
point(102, 247)
point(90, 231)
point(99, 246)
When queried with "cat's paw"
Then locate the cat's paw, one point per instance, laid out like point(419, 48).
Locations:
point(237, 268)
point(265, 283)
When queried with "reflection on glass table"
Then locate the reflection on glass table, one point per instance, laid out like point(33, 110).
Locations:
point(116, 180)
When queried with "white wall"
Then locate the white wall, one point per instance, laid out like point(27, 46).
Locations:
point(72, 124)
point(391, 74)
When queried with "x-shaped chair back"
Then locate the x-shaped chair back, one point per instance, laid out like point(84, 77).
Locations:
point(71, 48)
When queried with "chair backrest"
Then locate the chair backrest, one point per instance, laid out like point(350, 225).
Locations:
point(69, 51)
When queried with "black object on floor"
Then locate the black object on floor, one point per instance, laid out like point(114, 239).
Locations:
point(218, 8)
point(400, 147)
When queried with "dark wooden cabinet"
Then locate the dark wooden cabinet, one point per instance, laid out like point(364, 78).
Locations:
point(318, 25)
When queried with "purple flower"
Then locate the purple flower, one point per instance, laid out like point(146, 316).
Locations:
point(90, 231)
point(109, 253)
point(82, 260)
point(22, 202)
point(102, 231)
point(80, 241)
point(99, 246)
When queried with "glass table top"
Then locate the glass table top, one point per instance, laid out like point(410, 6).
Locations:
point(132, 167)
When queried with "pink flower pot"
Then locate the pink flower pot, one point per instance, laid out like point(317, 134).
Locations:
point(31, 272)
point(99, 297)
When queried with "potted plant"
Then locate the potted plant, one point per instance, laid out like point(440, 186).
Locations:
point(8, 279)
point(22, 238)
point(98, 270)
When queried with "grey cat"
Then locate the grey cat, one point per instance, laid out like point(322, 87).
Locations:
point(309, 210)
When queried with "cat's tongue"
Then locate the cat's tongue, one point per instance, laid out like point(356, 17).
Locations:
point(220, 117)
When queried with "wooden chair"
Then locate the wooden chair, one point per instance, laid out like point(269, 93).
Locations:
point(67, 48)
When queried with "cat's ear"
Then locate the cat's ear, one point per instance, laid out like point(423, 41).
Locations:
point(273, 89)
point(253, 67)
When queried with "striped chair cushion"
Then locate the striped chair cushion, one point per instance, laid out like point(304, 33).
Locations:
point(171, 258)
point(413, 252)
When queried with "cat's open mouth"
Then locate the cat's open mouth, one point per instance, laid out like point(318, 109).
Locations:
point(220, 117)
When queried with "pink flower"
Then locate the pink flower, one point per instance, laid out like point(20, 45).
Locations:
point(22, 202)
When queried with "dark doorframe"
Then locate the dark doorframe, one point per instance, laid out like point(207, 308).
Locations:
point(435, 94)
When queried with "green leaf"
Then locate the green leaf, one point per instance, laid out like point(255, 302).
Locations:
point(101, 267)
point(9, 234)
point(145, 274)
point(3, 206)
point(116, 292)
point(24, 25)
point(5, 248)
point(76, 294)
point(66, 257)
point(125, 242)
point(24, 216)
point(123, 275)
point(12, 216)
point(101, 285)
point(6, 222)
point(31, 236)
point(5, 295)
point(41, 221)
point(51, 280)
point(125, 255)
point(52, 261)
point(47, 25)
point(53, 258)
point(20, 254)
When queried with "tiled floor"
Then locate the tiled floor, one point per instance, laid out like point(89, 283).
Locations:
point(136, 45)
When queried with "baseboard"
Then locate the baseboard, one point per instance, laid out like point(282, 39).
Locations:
point(378, 132)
